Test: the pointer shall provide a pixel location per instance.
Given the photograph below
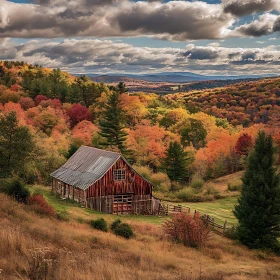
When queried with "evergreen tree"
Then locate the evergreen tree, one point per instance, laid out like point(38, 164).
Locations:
point(112, 124)
point(15, 145)
point(176, 163)
point(121, 87)
point(258, 208)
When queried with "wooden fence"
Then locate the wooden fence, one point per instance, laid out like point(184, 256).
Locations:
point(166, 209)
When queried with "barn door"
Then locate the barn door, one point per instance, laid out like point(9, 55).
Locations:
point(123, 203)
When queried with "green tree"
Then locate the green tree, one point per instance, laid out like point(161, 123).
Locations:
point(121, 87)
point(15, 145)
point(177, 163)
point(112, 124)
point(195, 133)
point(258, 208)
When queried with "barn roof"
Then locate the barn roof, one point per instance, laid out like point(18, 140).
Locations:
point(86, 167)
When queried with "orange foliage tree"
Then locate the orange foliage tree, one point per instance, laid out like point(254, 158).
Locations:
point(83, 132)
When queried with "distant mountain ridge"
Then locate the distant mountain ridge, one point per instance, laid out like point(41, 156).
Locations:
point(170, 77)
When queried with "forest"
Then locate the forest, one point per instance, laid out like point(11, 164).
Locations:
point(211, 130)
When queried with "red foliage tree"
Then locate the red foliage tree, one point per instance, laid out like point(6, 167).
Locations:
point(26, 103)
point(190, 230)
point(244, 144)
point(78, 113)
point(40, 98)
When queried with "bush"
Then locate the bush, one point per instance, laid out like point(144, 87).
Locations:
point(160, 178)
point(124, 230)
point(234, 187)
point(15, 188)
point(197, 183)
point(40, 205)
point(175, 186)
point(231, 233)
point(145, 171)
point(99, 224)
point(189, 195)
point(211, 191)
point(115, 224)
point(188, 230)
point(185, 194)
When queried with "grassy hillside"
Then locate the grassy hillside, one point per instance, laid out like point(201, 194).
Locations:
point(73, 250)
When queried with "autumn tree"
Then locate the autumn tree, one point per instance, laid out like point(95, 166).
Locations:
point(176, 162)
point(78, 113)
point(15, 145)
point(112, 124)
point(258, 208)
point(244, 144)
point(194, 133)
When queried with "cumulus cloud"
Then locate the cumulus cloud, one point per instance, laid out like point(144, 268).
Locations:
point(247, 7)
point(178, 20)
point(266, 24)
point(101, 56)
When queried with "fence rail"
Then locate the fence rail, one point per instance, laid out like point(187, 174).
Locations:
point(167, 209)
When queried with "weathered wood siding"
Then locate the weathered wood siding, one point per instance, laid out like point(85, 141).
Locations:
point(107, 186)
point(67, 191)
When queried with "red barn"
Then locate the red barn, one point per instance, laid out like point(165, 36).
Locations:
point(104, 181)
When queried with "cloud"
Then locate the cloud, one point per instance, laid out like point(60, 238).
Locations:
point(106, 56)
point(266, 24)
point(176, 20)
point(241, 8)
point(173, 20)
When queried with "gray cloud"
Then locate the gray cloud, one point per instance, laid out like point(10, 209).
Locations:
point(266, 24)
point(247, 7)
point(177, 20)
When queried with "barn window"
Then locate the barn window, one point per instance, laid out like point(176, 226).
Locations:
point(119, 174)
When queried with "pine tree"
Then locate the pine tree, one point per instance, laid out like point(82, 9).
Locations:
point(15, 145)
point(258, 208)
point(176, 163)
point(112, 124)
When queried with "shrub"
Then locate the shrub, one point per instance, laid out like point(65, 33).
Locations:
point(186, 229)
point(124, 230)
point(160, 178)
point(189, 195)
point(15, 188)
point(144, 171)
point(231, 233)
point(212, 191)
point(99, 224)
point(197, 183)
point(234, 187)
point(185, 194)
point(115, 224)
point(175, 186)
point(40, 205)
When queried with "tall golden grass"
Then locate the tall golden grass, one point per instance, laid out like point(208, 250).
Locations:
point(37, 247)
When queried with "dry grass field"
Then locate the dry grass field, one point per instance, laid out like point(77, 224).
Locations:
point(33, 246)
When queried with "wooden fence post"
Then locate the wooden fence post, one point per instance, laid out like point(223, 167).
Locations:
point(224, 229)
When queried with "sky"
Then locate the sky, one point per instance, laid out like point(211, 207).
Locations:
point(221, 37)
